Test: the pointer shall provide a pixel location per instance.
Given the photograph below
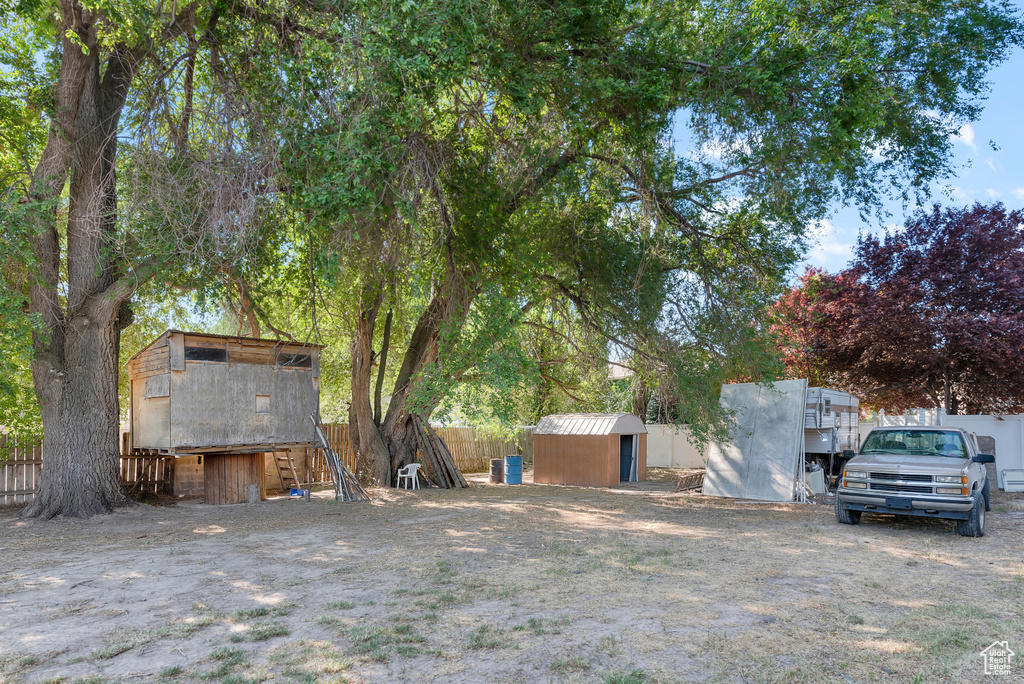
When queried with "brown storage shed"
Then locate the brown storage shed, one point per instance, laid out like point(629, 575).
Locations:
point(590, 449)
point(221, 403)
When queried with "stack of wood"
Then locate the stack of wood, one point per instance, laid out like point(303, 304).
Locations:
point(437, 460)
point(346, 486)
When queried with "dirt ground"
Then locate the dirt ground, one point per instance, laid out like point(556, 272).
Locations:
point(502, 583)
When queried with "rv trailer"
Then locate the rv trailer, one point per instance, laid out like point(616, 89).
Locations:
point(831, 427)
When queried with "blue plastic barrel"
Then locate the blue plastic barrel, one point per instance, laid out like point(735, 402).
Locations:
point(513, 470)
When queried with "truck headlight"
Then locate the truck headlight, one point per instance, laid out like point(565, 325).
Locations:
point(857, 474)
point(856, 485)
point(951, 490)
point(949, 479)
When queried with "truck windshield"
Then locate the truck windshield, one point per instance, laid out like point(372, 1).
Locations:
point(926, 442)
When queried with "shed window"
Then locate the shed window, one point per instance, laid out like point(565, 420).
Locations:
point(828, 407)
point(295, 360)
point(262, 403)
point(206, 354)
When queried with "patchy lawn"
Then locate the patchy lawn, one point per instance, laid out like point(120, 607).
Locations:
point(507, 584)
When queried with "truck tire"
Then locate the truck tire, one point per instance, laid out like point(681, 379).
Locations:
point(845, 516)
point(974, 526)
point(987, 493)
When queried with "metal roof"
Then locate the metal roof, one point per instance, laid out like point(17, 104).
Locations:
point(590, 424)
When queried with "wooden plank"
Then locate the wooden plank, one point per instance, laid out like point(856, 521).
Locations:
point(148, 374)
point(205, 342)
point(176, 349)
point(152, 355)
point(155, 364)
point(149, 360)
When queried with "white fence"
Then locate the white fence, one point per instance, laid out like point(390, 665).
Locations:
point(911, 417)
point(668, 446)
point(1007, 431)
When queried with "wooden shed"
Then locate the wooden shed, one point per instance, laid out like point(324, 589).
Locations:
point(224, 402)
point(590, 449)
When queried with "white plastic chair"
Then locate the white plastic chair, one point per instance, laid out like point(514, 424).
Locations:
point(409, 475)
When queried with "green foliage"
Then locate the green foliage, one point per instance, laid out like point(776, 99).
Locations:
point(513, 164)
point(22, 134)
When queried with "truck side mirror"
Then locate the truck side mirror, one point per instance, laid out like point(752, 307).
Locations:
point(984, 458)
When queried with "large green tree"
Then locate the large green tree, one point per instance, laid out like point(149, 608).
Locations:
point(84, 229)
point(524, 151)
point(67, 213)
point(452, 167)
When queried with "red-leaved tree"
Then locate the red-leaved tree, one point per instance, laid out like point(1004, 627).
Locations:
point(930, 315)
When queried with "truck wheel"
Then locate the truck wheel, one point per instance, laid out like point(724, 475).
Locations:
point(845, 516)
point(974, 526)
point(987, 493)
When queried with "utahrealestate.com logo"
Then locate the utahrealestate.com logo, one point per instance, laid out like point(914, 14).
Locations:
point(998, 658)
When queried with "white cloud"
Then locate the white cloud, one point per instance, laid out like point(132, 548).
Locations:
point(820, 229)
point(1019, 193)
point(956, 192)
point(830, 251)
point(991, 163)
point(993, 193)
point(966, 136)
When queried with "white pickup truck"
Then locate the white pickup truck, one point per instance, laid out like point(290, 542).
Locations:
point(933, 472)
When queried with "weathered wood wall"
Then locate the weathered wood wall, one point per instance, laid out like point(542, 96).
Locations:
point(253, 395)
point(227, 477)
point(215, 404)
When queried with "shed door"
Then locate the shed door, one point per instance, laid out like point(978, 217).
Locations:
point(626, 457)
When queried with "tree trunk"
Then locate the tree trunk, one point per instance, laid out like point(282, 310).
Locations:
point(75, 355)
point(372, 457)
point(81, 452)
point(393, 443)
point(641, 398)
point(382, 365)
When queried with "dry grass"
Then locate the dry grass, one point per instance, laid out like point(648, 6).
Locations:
point(507, 584)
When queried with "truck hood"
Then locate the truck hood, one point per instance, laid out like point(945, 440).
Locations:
point(909, 463)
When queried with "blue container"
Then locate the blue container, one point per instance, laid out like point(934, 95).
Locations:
point(513, 470)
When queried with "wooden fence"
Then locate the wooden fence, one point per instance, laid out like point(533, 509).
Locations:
point(21, 460)
point(472, 452)
point(153, 474)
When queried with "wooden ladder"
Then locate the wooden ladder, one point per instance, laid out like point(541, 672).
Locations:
point(286, 471)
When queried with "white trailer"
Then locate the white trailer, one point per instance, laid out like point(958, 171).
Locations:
point(831, 427)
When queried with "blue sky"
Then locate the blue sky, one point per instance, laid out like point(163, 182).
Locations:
point(981, 173)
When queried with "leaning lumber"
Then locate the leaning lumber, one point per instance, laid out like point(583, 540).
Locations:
point(446, 455)
point(441, 466)
point(346, 485)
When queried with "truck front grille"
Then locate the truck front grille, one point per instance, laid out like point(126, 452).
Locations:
point(905, 478)
point(890, 487)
